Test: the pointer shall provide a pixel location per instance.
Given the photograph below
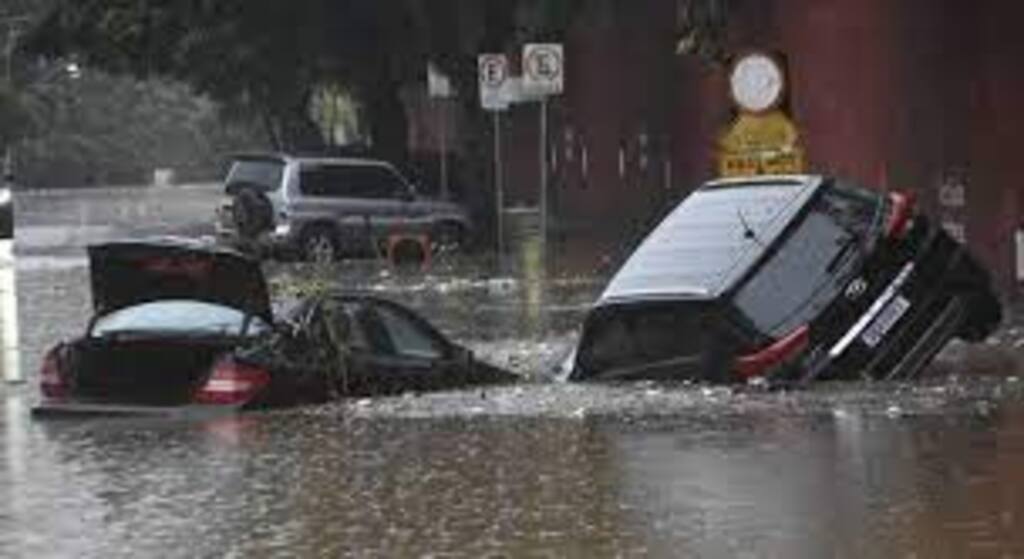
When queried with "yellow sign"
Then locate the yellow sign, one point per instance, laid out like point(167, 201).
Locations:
point(761, 144)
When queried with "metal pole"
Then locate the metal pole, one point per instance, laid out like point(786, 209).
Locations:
point(499, 185)
point(12, 37)
point(9, 360)
point(444, 149)
point(544, 176)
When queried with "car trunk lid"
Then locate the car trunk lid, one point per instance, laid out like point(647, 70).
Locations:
point(130, 273)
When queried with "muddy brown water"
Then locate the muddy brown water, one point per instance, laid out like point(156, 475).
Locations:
point(542, 469)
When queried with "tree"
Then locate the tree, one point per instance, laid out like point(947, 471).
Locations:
point(272, 57)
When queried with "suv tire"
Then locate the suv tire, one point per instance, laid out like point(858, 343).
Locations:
point(320, 245)
point(983, 317)
point(253, 213)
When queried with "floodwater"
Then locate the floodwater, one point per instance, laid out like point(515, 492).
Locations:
point(542, 469)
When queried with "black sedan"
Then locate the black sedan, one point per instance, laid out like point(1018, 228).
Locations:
point(180, 328)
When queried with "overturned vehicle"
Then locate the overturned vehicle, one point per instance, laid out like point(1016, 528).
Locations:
point(788, 278)
point(180, 328)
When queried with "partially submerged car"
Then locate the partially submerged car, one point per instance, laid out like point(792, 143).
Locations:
point(180, 328)
point(790, 278)
point(348, 344)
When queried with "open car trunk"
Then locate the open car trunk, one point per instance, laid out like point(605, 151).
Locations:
point(150, 371)
point(134, 272)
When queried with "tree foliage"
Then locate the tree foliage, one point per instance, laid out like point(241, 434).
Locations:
point(272, 57)
point(97, 129)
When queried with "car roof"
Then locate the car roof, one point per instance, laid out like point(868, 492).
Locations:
point(197, 244)
point(311, 159)
point(702, 248)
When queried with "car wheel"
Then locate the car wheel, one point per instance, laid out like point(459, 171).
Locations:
point(320, 246)
point(983, 317)
point(448, 237)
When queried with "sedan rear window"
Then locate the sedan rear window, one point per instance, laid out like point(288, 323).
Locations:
point(177, 317)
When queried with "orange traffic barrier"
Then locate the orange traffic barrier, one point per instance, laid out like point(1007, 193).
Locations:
point(401, 246)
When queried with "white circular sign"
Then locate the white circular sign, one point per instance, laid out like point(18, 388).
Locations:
point(544, 64)
point(757, 83)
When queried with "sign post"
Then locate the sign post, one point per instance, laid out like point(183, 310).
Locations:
point(543, 76)
point(439, 87)
point(493, 70)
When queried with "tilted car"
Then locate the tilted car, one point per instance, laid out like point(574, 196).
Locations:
point(320, 208)
point(179, 328)
point(789, 277)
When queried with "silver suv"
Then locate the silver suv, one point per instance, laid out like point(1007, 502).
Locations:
point(323, 208)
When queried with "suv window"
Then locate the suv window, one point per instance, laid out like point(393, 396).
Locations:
point(262, 174)
point(350, 181)
point(812, 262)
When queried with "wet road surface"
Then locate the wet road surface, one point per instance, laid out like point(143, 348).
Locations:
point(542, 469)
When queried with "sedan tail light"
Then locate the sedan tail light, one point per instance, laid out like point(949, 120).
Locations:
point(762, 362)
point(232, 383)
point(901, 216)
point(51, 382)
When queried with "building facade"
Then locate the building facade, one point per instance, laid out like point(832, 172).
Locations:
point(918, 95)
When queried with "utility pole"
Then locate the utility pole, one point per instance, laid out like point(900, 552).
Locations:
point(9, 351)
point(13, 25)
point(12, 41)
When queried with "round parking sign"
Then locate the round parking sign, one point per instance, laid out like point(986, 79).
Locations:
point(543, 68)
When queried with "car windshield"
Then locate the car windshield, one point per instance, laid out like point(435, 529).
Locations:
point(812, 262)
point(178, 317)
point(264, 174)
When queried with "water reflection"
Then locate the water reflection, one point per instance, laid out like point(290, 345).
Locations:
point(752, 475)
point(852, 486)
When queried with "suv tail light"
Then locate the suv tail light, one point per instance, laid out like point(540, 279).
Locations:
point(232, 383)
point(762, 362)
point(901, 215)
point(51, 382)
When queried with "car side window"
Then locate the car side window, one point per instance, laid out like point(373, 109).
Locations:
point(368, 182)
point(343, 318)
point(325, 181)
point(408, 337)
point(374, 182)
